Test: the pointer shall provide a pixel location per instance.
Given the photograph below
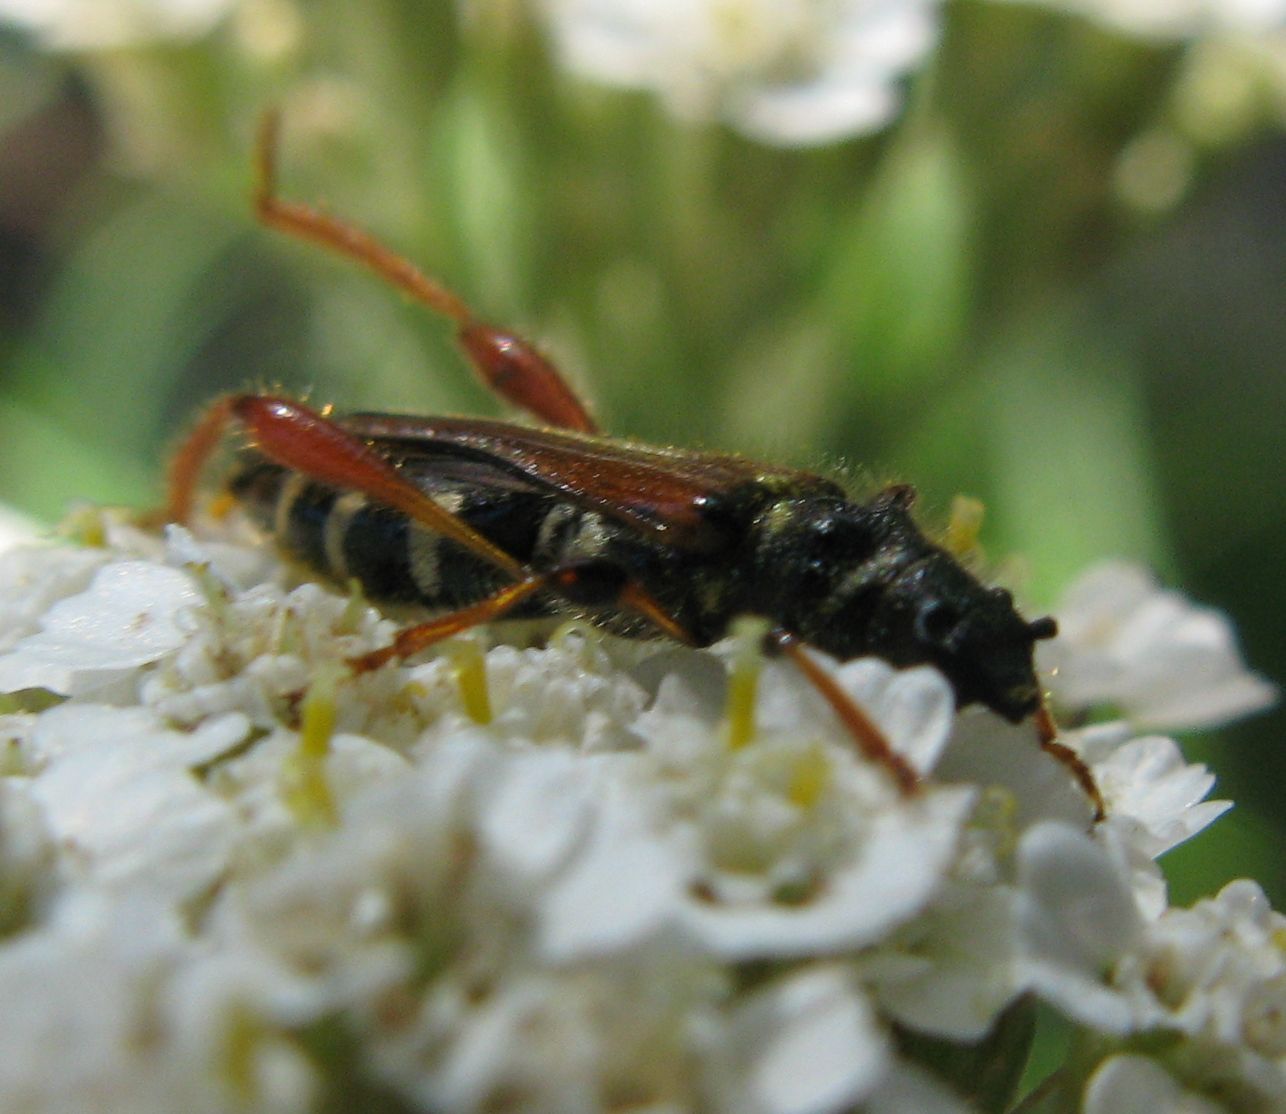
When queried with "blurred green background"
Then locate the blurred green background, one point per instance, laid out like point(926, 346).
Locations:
point(1055, 282)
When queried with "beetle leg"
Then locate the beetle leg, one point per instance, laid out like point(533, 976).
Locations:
point(507, 364)
point(587, 583)
point(1063, 754)
point(868, 736)
point(185, 467)
point(411, 640)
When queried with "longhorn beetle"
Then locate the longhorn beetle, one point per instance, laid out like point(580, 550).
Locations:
point(477, 520)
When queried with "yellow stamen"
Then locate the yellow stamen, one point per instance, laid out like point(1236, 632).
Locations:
point(221, 506)
point(743, 683)
point(240, 1050)
point(469, 667)
point(85, 526)
point(304, 787)
point(286, 635)
point(809, 778)
point(354, 608)
point(211, 588)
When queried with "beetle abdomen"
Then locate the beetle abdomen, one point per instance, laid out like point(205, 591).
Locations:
point(344, 536)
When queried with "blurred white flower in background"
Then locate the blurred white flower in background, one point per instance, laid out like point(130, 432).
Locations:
point(1179, 19)
point(782, 71)
point(103, 24)
point(584, 896)
point(806, 72)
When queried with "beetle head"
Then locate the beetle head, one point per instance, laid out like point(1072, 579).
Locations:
point(937, 613)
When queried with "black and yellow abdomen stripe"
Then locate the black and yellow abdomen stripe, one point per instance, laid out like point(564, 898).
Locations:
point(342, 535)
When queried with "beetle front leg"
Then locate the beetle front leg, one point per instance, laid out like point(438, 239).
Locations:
point(1047, 728)
point(869, 738)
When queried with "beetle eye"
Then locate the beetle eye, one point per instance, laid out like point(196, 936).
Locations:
point(934, 621)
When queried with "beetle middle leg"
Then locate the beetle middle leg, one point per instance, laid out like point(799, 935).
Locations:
point(587, 583)
point(507, 364)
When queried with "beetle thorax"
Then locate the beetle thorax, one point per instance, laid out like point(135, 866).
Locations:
point(860, 578)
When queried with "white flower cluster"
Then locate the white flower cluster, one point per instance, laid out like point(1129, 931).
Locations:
point(235, 875)
point(801, 72)
point(789, 72)
point(783, 71)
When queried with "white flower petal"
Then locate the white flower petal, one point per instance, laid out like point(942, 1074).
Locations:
point(16, 529)
point(127, 618)
point(891, 877)
point(960, 972)
point(810, 115)
point(1148, 781)
point(538, 813)
point(32, 578)
point(1139, 1085)
point(806, 1045)
point(1076, 907)
point(988, 751)
point(103, 24)
point(914, 709)
point(235, 566)
point(125, 808)
point(1165, 662)
point(100, 729)
point(908, 1088)
point(1077, 915)
point(78, 1003)
point(1181, 19)
point(623, 887)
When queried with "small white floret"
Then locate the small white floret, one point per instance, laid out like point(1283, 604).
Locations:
point(1163, 661)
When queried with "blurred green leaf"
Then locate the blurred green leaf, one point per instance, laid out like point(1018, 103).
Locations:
point(1070, 459)
point(897, 290)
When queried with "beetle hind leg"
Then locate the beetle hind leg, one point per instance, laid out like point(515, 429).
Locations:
point(507, 364)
